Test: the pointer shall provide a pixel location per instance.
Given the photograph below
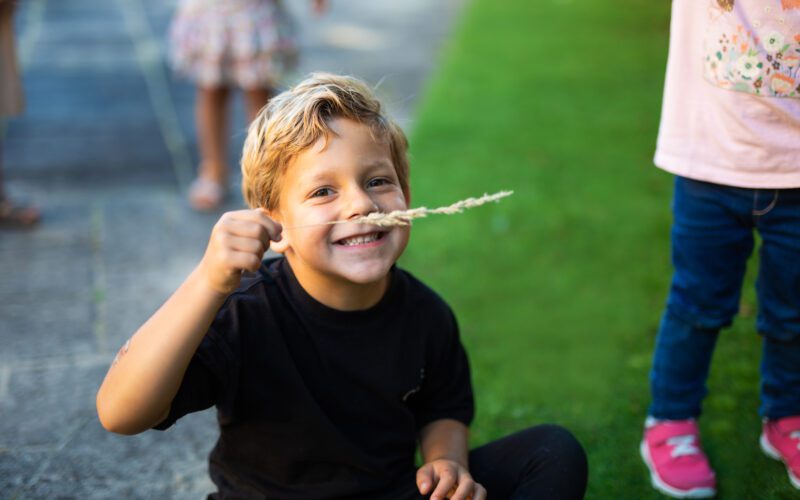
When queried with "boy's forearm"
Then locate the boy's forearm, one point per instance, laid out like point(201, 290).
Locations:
point(445, 439)
point(146, 374)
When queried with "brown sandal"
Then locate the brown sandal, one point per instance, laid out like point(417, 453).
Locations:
point(18, 216)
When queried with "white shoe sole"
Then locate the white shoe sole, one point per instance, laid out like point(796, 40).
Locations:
point(773, 453)
point(666, 489)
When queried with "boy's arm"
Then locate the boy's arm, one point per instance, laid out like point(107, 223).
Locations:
point(444, 445)
point(147, 372)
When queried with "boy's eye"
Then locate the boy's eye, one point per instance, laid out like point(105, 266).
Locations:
point(321, 192)
point(378, 181)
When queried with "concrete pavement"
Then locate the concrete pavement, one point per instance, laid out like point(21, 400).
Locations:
point(106, 147)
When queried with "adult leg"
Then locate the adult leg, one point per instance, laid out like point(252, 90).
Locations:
point(11, 103)
point(778, 288)
point(2, 179)
point(543, 462)
point(14, 215)
point(711, 242)
point(211, 115)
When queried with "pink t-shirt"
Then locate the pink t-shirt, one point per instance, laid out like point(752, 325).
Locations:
point(731, 111)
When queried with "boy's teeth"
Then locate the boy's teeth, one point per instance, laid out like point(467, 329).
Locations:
point(360, 240)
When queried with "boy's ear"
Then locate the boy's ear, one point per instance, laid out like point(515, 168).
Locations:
point(283, 245)
point(279, 246)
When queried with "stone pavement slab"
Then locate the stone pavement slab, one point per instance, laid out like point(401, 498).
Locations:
point(106, 147)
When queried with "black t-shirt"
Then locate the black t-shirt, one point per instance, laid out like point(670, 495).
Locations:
point(314, 402)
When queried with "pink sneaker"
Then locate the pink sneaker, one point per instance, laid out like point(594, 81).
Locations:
point(780, 439)
point(678, 467)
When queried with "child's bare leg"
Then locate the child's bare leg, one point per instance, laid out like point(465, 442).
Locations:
point(212, 125)
point(211, 115)
point(255, 99)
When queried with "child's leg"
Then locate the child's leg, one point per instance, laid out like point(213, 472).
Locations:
point(780, 378)
point(255, 99)
point(681, 363)
point(711, 241)
point(211, 115)
point(779, 302)
point(544, 462)
point(212, 125)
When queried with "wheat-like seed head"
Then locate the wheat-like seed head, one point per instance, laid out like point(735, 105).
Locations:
point(404, 217)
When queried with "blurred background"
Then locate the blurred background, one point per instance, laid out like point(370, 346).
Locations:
point(558, 289)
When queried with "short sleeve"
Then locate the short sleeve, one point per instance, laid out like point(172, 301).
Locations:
point(447, 387)
point(196, 393)
point(212, 373)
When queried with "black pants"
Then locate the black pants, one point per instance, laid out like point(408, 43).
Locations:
point(545, 462)
point(542, 462)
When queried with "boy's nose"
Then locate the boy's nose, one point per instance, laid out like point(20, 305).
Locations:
point(360, 203)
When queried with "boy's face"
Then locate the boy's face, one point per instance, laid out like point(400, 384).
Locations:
point(349, 175)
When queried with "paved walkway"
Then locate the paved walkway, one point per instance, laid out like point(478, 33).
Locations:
point(106, 148)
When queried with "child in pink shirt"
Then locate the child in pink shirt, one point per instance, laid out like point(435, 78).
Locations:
point(730, 131)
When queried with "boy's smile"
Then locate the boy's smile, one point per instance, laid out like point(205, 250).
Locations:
point(349, 174)
point(361, 240)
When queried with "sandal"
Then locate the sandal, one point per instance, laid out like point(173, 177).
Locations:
point(206, 195)
point(18, 216)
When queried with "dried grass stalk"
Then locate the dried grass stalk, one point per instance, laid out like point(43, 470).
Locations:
point(404, 217)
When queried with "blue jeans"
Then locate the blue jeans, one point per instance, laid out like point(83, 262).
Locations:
point(712, 238)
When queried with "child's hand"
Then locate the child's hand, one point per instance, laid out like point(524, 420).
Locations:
point(450, 480)
point(238, 242)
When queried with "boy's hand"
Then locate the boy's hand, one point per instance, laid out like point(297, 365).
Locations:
point(238, 242)
point(448, 479)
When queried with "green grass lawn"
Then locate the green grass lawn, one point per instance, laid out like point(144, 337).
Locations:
point(559, 289)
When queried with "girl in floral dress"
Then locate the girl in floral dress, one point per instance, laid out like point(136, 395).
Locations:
point(223, 45)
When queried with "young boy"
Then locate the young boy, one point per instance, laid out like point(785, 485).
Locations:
point(329, 364)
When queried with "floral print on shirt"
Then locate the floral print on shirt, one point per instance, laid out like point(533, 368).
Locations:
point(754, 46)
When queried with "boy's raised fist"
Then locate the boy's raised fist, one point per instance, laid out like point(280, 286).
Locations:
point(238, 242)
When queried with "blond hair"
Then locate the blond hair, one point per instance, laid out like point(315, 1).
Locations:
point(297, 118)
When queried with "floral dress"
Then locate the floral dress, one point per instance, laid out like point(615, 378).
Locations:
point(240, 43)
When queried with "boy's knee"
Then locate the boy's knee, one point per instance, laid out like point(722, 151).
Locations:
point(560, 445)
point(565, 441)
